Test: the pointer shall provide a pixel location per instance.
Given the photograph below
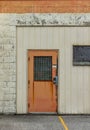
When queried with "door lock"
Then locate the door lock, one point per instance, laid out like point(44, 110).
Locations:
point(55, 80)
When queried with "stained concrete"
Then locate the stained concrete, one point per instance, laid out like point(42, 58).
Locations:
point(29, 122)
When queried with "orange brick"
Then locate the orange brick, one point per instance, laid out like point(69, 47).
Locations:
point(45, 6)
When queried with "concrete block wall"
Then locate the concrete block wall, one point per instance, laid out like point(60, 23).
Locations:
point(7, 65)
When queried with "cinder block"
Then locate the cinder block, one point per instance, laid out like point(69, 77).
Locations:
point(9, 59)
point(7, 31)
point(1, 59)
point(11, 84)
point(4, 19)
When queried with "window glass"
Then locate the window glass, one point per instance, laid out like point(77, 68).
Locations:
point(81, 55)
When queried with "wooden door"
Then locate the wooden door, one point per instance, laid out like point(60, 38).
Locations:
point(42, 92)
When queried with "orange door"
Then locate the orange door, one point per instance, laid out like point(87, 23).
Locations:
point(42, 95)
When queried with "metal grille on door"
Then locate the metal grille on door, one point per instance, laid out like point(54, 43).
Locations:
point(42, 68)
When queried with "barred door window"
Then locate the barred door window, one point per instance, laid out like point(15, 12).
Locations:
point(43, 68)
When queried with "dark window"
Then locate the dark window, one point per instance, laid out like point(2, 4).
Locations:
point(42, 68)
point(81, 55)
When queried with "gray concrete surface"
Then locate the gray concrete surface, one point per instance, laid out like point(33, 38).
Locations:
point(43, 122)
point(29, 122)
point(77, 122)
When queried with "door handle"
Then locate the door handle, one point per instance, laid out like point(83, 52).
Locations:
point(55, 80)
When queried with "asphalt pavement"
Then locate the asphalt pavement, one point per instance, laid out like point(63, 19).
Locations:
point(43, 122)
point(81, 122)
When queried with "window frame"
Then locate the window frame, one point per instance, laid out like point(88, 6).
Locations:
point(80, 63)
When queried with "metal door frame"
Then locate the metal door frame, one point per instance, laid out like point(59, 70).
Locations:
point(57, 74)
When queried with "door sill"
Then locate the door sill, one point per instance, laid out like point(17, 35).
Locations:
point(43, 113)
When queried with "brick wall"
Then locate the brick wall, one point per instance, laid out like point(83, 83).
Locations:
point(45, 6)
